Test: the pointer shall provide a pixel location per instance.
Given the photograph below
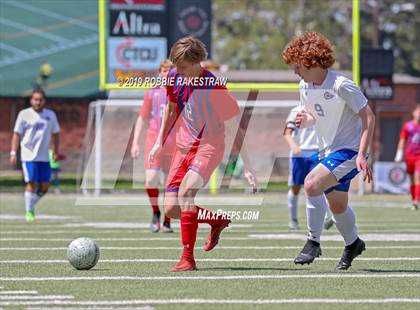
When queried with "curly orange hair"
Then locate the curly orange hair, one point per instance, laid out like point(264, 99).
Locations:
point(310, 50)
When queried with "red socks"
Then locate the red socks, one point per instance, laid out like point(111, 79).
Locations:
point(413, 192)
point(153, 197)
point(189, 225)
point(416, 198)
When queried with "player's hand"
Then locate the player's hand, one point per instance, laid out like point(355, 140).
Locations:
point(135, 151)
point(13, 160)
point(153, 153)
point(300, 118)
point(362, 165)
point(56, 156)
point(252, 180)
point(296, 150)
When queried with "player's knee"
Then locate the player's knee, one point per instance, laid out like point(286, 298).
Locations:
point(337, 207)
point(295, 189)
point(31, 187)
point(44, 188)
point(172, 211)
point(152, 181)
point(311, 187)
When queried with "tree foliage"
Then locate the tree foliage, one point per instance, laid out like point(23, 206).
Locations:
point(251, 34)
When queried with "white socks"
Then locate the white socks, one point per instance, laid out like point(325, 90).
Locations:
point(30, 201)
point(316, 207)
point(346, 225)
point(292, 204)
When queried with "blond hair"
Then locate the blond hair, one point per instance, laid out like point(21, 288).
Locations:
point(188, 49)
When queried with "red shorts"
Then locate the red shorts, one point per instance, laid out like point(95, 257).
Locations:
point(162, 161)
point(203, 160)
point(413, 164)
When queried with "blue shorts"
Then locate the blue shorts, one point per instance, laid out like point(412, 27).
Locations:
point(300, 168)
point(36, 171)
point(342, 164)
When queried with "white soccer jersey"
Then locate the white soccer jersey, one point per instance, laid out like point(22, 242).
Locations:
point(335, 106)
point(35, 130)
point(305, 138)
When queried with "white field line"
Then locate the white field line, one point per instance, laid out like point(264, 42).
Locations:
point(218, 301)
point(46, 297)
point(49, 50)
point(147, 307)
point(52, 14)
point(229, 231)
point(195, 278)
point(18, 292)
point(366, 237)
point(167, 260)
point(222, 247)
point(35, 31)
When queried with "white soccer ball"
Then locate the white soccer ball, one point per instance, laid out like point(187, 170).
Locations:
point(83, 253)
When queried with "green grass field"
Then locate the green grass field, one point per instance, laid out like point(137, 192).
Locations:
point(252, 267)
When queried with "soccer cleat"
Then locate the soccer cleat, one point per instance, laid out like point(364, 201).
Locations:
point(214, 235)
point(351, 252)
point(414, 207)
point(166, 227)
point(310, 251)
point(30, 216)
point(185, 264)
point(294, 225)
point(155, 224)
point(328, 224)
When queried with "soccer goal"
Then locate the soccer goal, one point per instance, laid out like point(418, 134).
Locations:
point(106, 154)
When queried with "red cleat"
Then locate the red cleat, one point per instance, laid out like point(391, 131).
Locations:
point(214, 235)
point(185, 264)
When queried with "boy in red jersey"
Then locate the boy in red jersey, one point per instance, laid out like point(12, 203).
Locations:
point(410, 141)
point(198, 112)
point(150, 116)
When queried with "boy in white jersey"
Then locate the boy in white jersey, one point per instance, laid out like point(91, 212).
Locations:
point(303, 143)
point(34, 129)
point(344, 124)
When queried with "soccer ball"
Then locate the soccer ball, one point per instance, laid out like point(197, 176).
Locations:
point(83, 253)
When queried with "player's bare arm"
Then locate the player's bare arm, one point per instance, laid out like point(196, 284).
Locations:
point(368, 125)
point(14, 147)
point(168, 115)
point(399, 156)
point(292, 144)
point(55, 145)
point(138, 129)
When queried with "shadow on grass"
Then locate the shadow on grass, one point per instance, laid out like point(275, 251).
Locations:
point(249, 269)
point(389, 271)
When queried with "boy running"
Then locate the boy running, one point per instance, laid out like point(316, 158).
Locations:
point(410, 141)
point(199, 112)
point(344, 124)
point(150, 117)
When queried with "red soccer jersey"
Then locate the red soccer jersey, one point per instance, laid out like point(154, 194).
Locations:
point(202, 110)
point(411, 134)
point(152, 109)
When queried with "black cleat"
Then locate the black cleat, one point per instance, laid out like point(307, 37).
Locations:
point(310, 251)
point(351, 252)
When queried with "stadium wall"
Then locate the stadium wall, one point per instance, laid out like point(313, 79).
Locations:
point(73, 113)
